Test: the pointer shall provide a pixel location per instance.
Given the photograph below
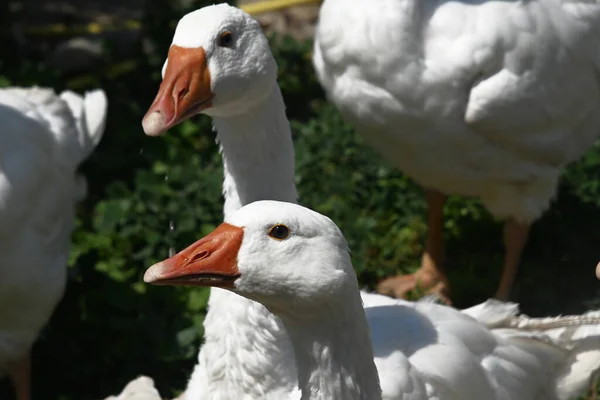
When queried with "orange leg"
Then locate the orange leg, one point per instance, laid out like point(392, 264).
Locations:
point(430, 278)
point(20, 374)
point(515, 238)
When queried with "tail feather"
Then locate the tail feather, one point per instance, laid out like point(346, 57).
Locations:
point(95, 107)
point(493, 313)
point(90, 112)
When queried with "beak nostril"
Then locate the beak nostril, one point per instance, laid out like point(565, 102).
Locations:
point(199, 256)
point(183, 93)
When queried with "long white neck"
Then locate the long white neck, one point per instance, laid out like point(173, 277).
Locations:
point(258, 159)
point(333, 349)
point(258, 154)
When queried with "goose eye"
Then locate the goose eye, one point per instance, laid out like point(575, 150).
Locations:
point(279, 232)
point(225, 39)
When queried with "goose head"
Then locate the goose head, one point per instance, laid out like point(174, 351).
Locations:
point(219, 64)
point(283, 255)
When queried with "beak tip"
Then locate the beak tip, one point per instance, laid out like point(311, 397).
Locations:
point(152, 274)
point(154, 123)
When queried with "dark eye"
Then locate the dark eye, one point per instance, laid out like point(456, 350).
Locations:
point(279, 232)
point(225, 39)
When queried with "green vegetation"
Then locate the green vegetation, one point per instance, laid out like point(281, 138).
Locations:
point(147, 195)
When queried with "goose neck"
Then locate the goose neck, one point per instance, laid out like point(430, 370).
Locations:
point(333, 350)
point(258, 154)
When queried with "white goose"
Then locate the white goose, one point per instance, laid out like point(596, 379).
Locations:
point(220, 64)
point(296, 262)
point(476, 98)
point(43, 139)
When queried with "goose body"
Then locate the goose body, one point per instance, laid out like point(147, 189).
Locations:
point(43, 139)
point(474, 98)
point(435, 352)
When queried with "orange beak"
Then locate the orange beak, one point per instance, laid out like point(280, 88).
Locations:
point(211, 261)
point(183, 93)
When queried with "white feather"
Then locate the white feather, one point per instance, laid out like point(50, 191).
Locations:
point(141, 388)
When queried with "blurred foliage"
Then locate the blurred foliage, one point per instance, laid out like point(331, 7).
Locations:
point(150, 195)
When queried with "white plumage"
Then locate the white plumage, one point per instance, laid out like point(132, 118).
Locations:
point(491, 352)
point(43, 139)
point(422, 351)
point(141, 388)
point(476, 98)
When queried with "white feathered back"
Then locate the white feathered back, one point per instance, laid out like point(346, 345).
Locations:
point(76, 122)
